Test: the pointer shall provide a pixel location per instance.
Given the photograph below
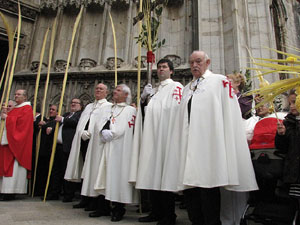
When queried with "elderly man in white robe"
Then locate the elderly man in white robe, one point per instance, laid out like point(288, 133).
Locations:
point(117, 134)
point(211, 143)
point(151, 145)
point(86, 148)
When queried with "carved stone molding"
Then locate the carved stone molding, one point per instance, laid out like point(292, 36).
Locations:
point(60, 65)
point(143, 62)
point(86, 64)
point(76, 3)
point(175, 3)
point(119, 4)
point(49, 4)
point(86, 98)
point(175, 59)
point(110, 63)
point(27, 11)
point(170, 3)
point(94, 2)
point(35, 66)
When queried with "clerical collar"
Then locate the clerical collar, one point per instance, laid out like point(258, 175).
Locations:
point(23, 104)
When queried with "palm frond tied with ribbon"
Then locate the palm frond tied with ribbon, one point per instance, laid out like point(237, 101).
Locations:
point(150, 17)
point(289, 65)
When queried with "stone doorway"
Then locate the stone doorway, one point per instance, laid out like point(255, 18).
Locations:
point(3, 56)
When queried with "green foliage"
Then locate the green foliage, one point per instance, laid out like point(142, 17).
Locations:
point(155, 23)
point(248, 84)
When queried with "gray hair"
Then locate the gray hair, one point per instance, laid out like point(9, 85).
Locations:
point(24, 92)
point(206, 57)
point(126, 90)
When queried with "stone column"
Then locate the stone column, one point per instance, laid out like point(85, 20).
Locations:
point(77, 41)
point(102, 35)
point(210, 30)
point(261, 33)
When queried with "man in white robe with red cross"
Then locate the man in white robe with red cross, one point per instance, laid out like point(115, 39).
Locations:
point(211, 143)
point(151, 168)
point(113, 170)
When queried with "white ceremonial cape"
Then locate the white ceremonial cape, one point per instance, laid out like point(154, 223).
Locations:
point(94, 152)
point(113, 175)
point(150, 167)
point(93, 112)
point(212, 148)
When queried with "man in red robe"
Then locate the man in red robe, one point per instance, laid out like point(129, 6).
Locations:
point(16, 147)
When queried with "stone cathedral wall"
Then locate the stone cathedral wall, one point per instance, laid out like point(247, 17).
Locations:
point(222, 28)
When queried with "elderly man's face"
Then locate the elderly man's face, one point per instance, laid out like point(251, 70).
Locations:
point(262, 111)
point(10, 106)
point(119, 95)
point(53, 111)
point(75, 105)
point(19, 96)
point(100, 91)
point(198, 63)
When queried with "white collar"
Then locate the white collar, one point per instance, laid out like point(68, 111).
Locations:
point(205, 75)
point(166, 81)
point(103, 100)
point(23, 104)
point(122, 104)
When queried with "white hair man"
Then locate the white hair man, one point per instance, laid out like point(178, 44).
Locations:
point(212, 146)
point(117, 135)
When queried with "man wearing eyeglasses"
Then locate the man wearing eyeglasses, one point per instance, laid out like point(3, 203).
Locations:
point(68, 123)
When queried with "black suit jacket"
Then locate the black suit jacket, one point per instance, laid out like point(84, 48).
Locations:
point(47, 139)
point(68, 130)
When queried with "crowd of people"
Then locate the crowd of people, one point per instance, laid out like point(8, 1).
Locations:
point(193, 140)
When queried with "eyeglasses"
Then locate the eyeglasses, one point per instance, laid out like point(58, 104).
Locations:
point(75, 102)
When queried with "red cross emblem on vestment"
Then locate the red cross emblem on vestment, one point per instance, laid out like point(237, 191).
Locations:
point(230, 87)
point(131, 122)
point(177, 94)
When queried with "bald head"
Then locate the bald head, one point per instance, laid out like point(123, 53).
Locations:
point(199, 62)
point(100, 91)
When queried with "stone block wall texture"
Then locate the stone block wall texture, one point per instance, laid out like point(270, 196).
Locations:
point(222, 28)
